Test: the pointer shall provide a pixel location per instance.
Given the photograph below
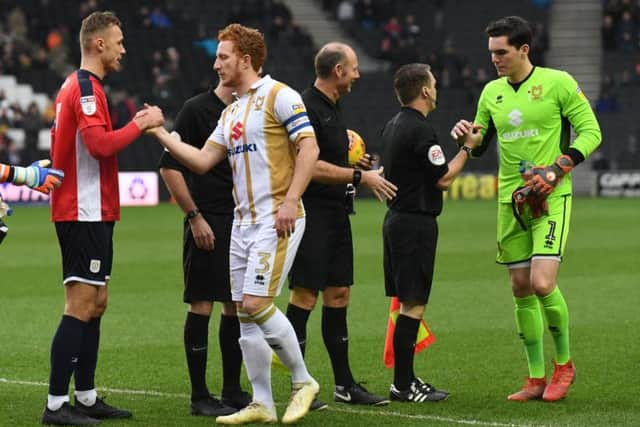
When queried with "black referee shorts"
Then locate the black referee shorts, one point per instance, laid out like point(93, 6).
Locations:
point(325, 255)
point(409, 255)
point(87, 251)
point(206, 273)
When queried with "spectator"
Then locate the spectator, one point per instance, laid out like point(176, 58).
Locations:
point(628, 32)
point(345, 12)
point(32, 123)
point(8, 151)
point(608, 33)
point(122, 109)
point(411, 29)
point(393, 29)
point(600, 162)
point(607, 102)
point(159, 19)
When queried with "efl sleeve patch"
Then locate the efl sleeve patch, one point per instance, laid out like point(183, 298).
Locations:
point(88, 104)
point(436, 155)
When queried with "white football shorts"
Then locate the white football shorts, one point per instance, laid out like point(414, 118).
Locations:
point(259, 261)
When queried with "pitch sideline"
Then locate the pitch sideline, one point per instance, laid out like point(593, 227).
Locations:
point(334, 408)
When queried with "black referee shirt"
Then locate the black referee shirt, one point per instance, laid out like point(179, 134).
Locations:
point(414, 162)
point(196, 120)
point(333, 142)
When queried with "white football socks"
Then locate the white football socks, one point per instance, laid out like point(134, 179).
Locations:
point(282, 338)
point(55, 402)
point(87, 397)
point(257, 359)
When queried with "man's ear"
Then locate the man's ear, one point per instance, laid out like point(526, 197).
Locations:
point(99, 44)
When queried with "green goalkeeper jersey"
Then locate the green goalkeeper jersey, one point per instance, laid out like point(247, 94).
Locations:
point(534, 123)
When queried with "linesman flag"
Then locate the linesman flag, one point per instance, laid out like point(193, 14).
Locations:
point(424, 339)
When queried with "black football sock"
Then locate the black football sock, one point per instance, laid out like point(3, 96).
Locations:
point(404, 342)
point(65, 348)
point(336, 339)
point(228, 336)
point(196, 337)
point(298, 317)
point(85, 370)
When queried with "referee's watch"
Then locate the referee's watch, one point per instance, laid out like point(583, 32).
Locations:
point(357, 177)
point(467, 150)
point(193, 213)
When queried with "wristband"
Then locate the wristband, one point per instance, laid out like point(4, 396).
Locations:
point(467, 150)
point(193, 213)
point(357, 177)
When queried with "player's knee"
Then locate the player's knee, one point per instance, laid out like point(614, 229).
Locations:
point(543, 287)
point(336, 296)
point(203, 308)
point(100, 309)
point(303, 298)
point(100, 305)
point(84, 311)
point(229, 309)
point(254, 306)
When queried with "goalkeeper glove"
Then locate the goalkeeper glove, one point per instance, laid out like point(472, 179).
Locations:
point(524, 197)
point(38, 176)
point(46, 178)
point(544, 180)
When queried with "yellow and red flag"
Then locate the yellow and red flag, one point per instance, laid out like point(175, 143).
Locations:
point(424, 339)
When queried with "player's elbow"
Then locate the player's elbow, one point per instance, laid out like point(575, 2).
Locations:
point(442, 186)
point(444, 183)
point(97, 151)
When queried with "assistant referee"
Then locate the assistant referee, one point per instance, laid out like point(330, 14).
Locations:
point(416, 163)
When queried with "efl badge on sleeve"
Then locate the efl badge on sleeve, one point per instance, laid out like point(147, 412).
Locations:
point(436, 155)
point(88, 104)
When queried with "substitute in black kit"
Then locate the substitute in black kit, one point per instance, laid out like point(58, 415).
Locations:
point(416, 163)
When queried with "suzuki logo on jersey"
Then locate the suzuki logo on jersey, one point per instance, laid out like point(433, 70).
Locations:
point(236, 131)
point(244, 148)
point(515, 118)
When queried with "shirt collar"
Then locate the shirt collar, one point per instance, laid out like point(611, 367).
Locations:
point(265, 79)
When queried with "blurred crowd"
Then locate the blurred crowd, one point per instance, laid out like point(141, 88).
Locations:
point(38, 45)
point(405, 37)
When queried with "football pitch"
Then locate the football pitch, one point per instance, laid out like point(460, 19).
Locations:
point(477, 355)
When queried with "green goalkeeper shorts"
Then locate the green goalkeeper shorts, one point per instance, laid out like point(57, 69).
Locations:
point(544, 236)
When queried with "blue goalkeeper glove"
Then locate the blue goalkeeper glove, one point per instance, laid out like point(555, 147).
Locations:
point(44, 179)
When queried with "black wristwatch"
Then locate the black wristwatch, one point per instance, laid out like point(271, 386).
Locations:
point(357, 177)
point(193, 213)
point(466, 149)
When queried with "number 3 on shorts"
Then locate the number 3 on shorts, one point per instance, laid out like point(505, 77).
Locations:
point(264, 262)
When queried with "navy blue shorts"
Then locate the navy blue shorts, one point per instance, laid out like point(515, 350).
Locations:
point(87, 251)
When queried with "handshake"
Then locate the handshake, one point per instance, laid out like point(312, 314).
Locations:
point(540, 181)
point(149, 117)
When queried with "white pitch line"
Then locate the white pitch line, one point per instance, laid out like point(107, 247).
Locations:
point(334, 408)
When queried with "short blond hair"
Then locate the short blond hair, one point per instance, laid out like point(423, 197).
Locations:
point(95, 23)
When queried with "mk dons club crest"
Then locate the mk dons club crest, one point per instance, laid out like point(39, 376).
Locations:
point(536, 93)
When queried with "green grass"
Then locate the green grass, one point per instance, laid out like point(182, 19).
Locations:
point(477, 355)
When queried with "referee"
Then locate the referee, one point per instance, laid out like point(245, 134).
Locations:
point(324, 261)
point(417, 165)
point(208, 206)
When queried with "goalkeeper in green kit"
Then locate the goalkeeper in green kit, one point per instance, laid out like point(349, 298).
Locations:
point(531, 110)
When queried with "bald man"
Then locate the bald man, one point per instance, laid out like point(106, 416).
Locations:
point(324, 262)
